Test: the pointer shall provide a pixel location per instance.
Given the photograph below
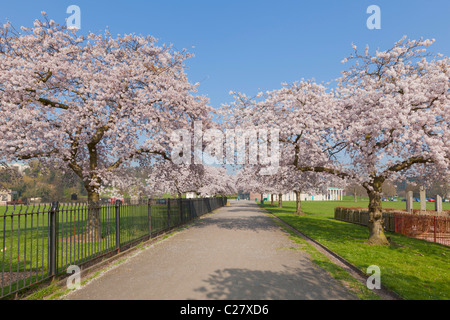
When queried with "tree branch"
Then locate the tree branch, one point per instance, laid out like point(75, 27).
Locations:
point(326, 170)
point(408, 163)
point(117, 164)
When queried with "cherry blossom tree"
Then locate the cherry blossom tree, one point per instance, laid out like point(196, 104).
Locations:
point(394, 104)
point(248, 179)
point(387, 116)
point(200, 179)
point(300, 111)
point(168, 178)
point(217, 181)
point(92, 103)
point(301, 183)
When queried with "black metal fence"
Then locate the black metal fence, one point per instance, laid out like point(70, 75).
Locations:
point(41, 241)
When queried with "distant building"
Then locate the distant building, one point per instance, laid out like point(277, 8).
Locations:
point(328, 194)
point(191, 195)
point(334, 193)
point(246, 195)
point(252, 196)
point(36, 200)
point(20, 167)
point(6, 196)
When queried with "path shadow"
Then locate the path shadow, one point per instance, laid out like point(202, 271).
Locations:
point(289, 284)
point(243, 223)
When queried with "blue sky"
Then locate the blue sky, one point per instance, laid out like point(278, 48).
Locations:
point(250, 45)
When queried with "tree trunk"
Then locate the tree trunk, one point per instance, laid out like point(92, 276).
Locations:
point(299, 202)
point(93, 217)
point(280, 201)
point(354, 195)
point(376, 233)
point(271, 198)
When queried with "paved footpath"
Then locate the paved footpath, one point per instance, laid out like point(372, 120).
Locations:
point(237, 253)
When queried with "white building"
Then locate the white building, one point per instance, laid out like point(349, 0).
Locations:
point(6, 196)
point(331, 194)
point(334, 193)
point(191, 195)
point(20, 167)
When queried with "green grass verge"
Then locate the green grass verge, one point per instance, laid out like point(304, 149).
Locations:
point(415, 269)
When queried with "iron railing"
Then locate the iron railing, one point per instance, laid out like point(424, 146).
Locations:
point(39, 242)
point(429, 228)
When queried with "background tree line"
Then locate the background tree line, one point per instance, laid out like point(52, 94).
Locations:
point(39, 181)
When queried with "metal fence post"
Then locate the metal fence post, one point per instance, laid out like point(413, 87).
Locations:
point(168, 212)
point(53, 253)
point(149, 208)
point(435, 227)
point(118, 203)
point(180, 211)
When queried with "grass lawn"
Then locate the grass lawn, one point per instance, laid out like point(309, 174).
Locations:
point(415, 269)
